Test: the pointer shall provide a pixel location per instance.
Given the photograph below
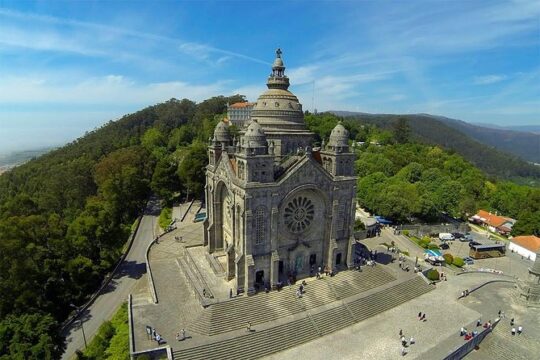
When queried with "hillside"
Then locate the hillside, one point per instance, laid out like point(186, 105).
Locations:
point(521, 143)
point(430, 130)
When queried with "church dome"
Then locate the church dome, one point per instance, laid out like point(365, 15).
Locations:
point(339, 136)
point(254, 135)
point(221, 133)
point(277, 108)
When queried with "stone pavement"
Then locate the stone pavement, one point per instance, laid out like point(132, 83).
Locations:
point(377, 337)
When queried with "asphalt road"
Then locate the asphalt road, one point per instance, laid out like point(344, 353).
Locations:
point(102, 309)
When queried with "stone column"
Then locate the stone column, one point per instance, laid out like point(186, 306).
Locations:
point(249, 282)
point(274, 269)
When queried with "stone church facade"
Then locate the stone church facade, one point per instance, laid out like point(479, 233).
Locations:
point(276, 207)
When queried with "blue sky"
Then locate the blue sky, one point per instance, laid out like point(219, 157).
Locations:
point(67, 67)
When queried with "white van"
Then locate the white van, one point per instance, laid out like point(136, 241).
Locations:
point(446, 237)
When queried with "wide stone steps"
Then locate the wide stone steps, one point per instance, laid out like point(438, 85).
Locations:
point(388, 298)
point(333, 319)
point(265, 342)
point(500, 344)
point(254, 345)
point(233, 315)
point(372, 277)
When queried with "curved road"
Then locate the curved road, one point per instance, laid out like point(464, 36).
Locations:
point(104, 306)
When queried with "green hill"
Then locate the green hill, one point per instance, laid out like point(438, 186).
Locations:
point(427, 129)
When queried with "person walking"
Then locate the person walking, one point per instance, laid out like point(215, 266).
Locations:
point(400, 333)
point(403, 341)
point(519, 330)
point(230, 293)
point(248, 326)
point(419, 315)
point(512, 322)
point(478, 322)
point(411, 340)
point(513, 331)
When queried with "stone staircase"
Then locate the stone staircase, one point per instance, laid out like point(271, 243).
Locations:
point(500, 344)
point(233, 315)
point(372, 277)
point(388, 298)
point(333, 319)
point(307, 328)
point(255, 344)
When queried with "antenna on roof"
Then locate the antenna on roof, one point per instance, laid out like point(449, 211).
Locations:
point(313, 97)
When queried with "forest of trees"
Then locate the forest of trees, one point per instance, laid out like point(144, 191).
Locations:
point(402, 179)
point(65, 216)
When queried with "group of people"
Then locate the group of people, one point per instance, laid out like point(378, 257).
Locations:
point(327, 272)
point(404, 342)
point(464, 293)
point(514, 331)
point(156, 337)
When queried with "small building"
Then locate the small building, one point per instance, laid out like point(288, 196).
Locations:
point(239, 114)
point(501, 224)
point(526, 246)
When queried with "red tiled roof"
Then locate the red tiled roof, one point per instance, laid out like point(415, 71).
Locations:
point(241, 105)
point(529, 242)
point(492, 219)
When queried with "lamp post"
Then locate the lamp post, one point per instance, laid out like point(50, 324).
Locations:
point(81, 321)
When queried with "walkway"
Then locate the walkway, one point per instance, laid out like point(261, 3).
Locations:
point(105, 305)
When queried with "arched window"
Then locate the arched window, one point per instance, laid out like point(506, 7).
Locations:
point(260, 225)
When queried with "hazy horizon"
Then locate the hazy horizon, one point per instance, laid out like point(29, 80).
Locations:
point(81, 64)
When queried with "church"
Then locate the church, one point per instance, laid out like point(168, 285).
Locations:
point(278, 208)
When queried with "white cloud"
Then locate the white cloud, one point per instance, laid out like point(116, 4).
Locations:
point(488, 79)
point(110, 89)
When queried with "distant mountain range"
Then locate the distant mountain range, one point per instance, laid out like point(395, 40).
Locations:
point(522, 141)
point(500, 153)
point(523, 128)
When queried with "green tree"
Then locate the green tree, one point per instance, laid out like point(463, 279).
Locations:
point(191, 169)
point(402, 130)
point(30, 336)
point(527, 224)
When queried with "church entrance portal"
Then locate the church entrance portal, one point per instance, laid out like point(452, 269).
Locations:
point(338, 259)
point(259, 277)
point(299, 263)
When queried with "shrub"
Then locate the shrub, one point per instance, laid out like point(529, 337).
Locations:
point(458, 262)
point(423, 243)
point(406, 232)
point(448, 258)
point(432, 275)
point(359, 225)
point(433, 246)
point(165, 217)
point(426, 238)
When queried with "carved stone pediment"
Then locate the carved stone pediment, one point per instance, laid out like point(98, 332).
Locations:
point(306, 170)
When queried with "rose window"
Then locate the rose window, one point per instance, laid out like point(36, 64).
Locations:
point(299, 214)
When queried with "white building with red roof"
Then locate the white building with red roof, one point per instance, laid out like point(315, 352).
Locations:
point(526, 246)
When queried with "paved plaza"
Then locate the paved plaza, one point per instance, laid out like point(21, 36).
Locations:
point(341, 334)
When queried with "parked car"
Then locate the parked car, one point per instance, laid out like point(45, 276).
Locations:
point(444, 246)
point(458, 235)
point(468, 260)
point(446, 237)
point(473, 243)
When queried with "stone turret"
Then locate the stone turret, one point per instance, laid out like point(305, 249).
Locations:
point(339, 139)
point(335, 156)
point(219, 143)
